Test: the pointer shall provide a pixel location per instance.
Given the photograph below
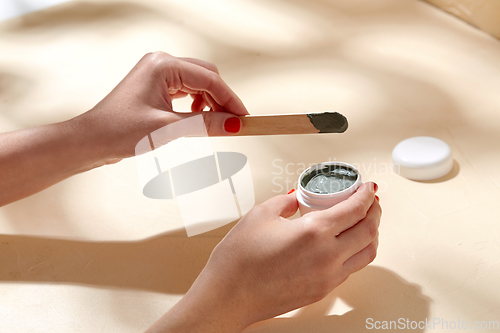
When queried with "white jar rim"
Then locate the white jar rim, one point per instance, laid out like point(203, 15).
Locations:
point(309, 201)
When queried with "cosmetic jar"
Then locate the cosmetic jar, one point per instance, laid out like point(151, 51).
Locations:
point(326, 184)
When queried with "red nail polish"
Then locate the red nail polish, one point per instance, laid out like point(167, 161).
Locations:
point(376, 197)
point(232, 125)
point(375, 187)
point(291, 191)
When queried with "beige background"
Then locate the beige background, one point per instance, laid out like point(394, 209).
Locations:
point(91, 254)
point(484, 14)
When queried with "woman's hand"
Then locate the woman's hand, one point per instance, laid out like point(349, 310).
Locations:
point(36, 158)
point(268, 265)
point(142, 103)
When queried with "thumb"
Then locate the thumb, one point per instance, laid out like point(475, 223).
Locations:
point(282, 205)
point(216, 123)
point(221, 123)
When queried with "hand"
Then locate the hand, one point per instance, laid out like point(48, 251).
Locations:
point(36, 158)
point(268, 265)
point(142, 103)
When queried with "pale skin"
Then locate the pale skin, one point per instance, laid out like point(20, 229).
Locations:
point(267, 264)
point(36, 158)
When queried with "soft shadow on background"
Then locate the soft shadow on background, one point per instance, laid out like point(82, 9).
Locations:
point(12, 87)
point(168, 263)
point(77, 14)
point(374, 292)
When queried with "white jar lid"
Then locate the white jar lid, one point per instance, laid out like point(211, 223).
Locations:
point(422, 158)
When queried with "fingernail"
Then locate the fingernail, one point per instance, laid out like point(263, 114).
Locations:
point(376, 197)
point(291, 191)
point(375, 187)
point(232, 125)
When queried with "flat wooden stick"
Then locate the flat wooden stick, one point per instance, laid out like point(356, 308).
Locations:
point(326, 122)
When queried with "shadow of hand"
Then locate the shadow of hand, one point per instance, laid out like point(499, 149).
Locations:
point(373, 293)
point(168, 263)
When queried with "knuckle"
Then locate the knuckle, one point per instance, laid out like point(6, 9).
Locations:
point(159, 54)
point(311, 232)
point(259, 210)
point(214, 79)
point(372, 230)
point(358, 210)
point(147, 55)
point(372, 252)
point(312, 218)
point(212, 67)
point(157, 59)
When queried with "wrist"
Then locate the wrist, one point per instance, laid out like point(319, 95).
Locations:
point(207, 307)
point(83, 145)
point(95, 144)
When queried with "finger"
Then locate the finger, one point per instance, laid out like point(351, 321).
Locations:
point(363, 233)
point(221, 123)
point(349, 212)
point(216, 123)
point(213, 104)
point(198, 78)
point(202, 63)
point(362, 258)
point(198, 103)
point(178, 94)
point(208, 99)
point(282, 205)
